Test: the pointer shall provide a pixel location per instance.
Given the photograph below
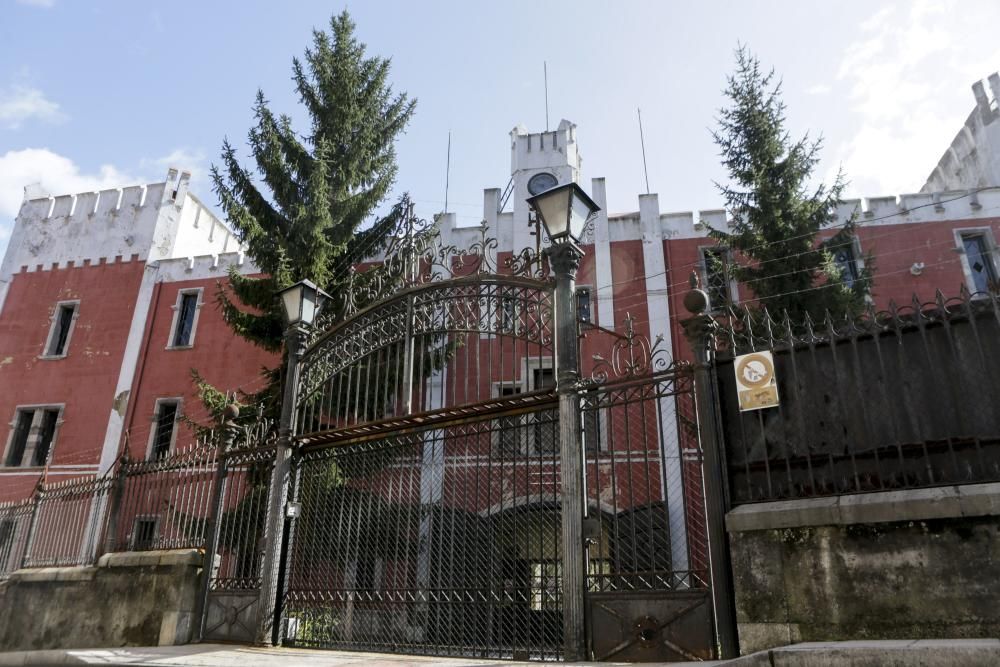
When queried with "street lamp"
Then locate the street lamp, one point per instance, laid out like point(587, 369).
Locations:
point(564, 211)
point(300, 305)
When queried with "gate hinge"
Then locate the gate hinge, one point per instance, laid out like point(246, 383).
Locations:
point(293, 510)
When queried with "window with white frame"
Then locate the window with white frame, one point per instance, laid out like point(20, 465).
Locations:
point(979, 258)
point(717, 277)
point(847, 258)
point(63, 320)
point(164, 431)
point(33, 432)
point(185, 321)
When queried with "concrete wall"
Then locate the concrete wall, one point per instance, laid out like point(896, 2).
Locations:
point(129, 599)
point(921, 564)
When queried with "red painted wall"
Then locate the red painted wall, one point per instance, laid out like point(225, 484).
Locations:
point(223, 359)
point(85, 379)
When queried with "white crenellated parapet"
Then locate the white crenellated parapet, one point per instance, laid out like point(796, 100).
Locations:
point(869, 212)
point(203, 266)
point(972, 160)
point(141, 222)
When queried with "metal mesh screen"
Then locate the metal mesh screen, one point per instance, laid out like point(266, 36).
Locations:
point(643, 474)
point(441, 540)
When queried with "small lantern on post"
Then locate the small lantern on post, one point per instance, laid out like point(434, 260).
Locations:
point(564, 211)
point(301, 303)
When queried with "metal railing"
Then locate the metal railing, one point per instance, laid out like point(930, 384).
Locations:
point(144, 505)
point(896, 399)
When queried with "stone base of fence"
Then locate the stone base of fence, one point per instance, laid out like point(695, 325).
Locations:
point(918, 564)
point(128, 599)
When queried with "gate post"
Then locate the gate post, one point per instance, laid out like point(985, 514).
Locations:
point(565, 260)
point(700, 330)
point(274, 522)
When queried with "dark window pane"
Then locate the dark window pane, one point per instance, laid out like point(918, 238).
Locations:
point(164, 430)
point(844, 258)
point(717, 277)
point(583, 305)
point(143, 534)
point(978, 254)
point(48, 431)
point(64, 319)
point(508, 426)
point(20, 439)
point(546, 424)
point(185, 319)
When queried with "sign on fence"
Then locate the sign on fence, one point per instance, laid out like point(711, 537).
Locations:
point(755, 381)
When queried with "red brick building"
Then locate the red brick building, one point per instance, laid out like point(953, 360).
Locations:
point(107, 299)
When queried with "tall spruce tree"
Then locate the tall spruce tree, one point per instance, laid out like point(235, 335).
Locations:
point(776, 214)
point(301, 215)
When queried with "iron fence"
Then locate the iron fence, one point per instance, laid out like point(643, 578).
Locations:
point(167, 503)
point(895, 399)
point(15, 527)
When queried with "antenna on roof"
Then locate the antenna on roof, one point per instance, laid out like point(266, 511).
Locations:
point(447, 173)
point(642, 142)
point(545, 68)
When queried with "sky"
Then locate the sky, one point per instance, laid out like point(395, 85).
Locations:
point(103, 94)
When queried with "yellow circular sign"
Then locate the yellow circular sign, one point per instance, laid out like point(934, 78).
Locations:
point(755, 370)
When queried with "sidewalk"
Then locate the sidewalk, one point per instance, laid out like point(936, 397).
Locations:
point(897, 653)
point(226, 655)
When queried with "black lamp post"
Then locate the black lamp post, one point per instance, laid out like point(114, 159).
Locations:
point(564, 211)
point(301, 304)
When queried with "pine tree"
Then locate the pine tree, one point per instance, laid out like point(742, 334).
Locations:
point(301, 215)
point(776, 214)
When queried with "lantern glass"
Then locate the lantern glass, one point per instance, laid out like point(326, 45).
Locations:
point(301, 302)
point(564, 211)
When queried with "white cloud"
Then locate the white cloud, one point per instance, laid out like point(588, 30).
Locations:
point(56, 174)
point(909, 75)
point(19, 103)
point(819, 89)
point(183, 158)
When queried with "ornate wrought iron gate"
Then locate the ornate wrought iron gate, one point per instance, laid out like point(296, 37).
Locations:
point(427, 474)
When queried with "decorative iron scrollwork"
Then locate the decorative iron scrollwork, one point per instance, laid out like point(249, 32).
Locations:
point(631, 356)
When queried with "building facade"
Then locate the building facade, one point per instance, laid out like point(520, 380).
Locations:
point(106, 305)
point(107, 300)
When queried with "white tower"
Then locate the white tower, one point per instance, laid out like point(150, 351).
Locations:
point(538, 162)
